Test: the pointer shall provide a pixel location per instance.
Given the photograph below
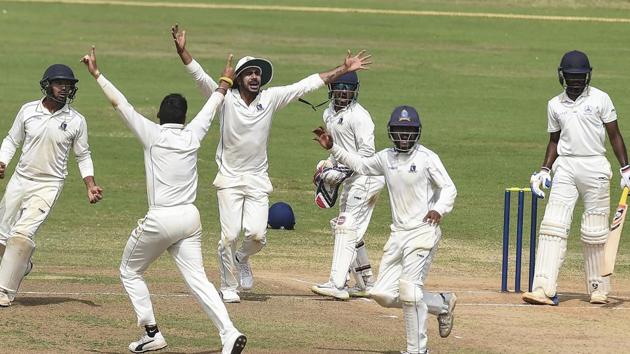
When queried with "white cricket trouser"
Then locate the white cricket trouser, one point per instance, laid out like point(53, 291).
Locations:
point(26, 205)
point(178, 230)
point(408, 255)
point(240, 208)
point(587, 177)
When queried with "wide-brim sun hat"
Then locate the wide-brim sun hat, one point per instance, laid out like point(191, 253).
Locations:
point(266, 69)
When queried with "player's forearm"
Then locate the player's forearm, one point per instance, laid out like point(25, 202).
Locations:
point(204, 81)
point(115, 97)
point(89, 181)
point(332, 74)
point(185, 56)
point(7, 150)
point(619, 148)
point(551, 154)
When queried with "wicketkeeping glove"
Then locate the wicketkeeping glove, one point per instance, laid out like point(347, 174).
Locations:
point(538, 179)
point(625, 176)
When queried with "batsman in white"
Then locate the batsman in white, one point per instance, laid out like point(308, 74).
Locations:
point(172, 223)
point(47, 129)
point(420, 194)
point(577, 121)
point(352, 128)
point(242, 182)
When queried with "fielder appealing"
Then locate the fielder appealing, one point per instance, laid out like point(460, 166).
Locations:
point(420, 193)
point(48, 128)
point(172, 223)
point(352, 128)
point(578, 120)
point(242, 182)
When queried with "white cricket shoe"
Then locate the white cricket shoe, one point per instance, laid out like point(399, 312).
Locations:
point(445, 320)
point(538, 297)
point(598, 297)
point(329, 289)
point(247, 277)
point(235, 343)
point(426, 351)
point(146, 343)
point(5, 301)
point(230, 296)
point(357, 291)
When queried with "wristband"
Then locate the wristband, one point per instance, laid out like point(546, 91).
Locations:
point(227, 80)
point(545, 168)
point(624, 168)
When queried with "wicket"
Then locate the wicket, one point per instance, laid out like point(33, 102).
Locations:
point(519, 238)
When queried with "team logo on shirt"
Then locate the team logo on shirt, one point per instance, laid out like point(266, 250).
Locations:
point(412, 168)
point(588, 109)
point(63, 126)
point(340, 121)
point(259, 107)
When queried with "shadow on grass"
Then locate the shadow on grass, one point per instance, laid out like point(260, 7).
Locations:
point(163, 351)
point(40, 301)
point(264, 297)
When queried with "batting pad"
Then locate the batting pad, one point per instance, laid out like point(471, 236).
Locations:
point(14, 264)
point(344, 249)
point(593, 258)
point(549, 259)
point(594, 229)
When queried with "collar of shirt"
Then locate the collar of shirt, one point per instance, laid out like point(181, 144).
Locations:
point(172, 126)
point(240, 100)
point(42, 109)
point(564, 98)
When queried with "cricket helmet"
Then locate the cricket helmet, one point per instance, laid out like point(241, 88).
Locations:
point(344, 90)
point(281, 216)
point(574, 72)
point(59, 72)
point(404, 128)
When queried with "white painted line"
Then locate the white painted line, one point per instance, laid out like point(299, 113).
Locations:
point(483, 15)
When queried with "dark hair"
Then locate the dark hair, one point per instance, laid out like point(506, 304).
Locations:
point(173, 109)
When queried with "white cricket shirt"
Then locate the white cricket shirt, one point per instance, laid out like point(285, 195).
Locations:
point(417, 182)
point(581, 123)
point(242, 148)
point(47, 138)
point(170, 150)
point(351, 128)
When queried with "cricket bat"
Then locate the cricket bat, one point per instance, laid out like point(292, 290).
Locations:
point(612, 244)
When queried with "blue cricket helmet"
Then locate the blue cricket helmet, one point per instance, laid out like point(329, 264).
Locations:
point(404, 128)
point(59, 72)
point(281, 216)
point(575, 62)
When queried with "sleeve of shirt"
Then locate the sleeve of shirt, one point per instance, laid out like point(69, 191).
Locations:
point(368, 166)
point(200, 125)
point(553, 125)
point(82, 151)
point(364, 136)
point(143, 128)
point(13, 140)
point(283, 95)
point(608, 113)
point(204, 82)
point(442, 181)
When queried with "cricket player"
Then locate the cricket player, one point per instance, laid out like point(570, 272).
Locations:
point(242, 182)
point(172, 223)
point(46, 129)
point(352, 128)
point(420, 194)
point(577, 121)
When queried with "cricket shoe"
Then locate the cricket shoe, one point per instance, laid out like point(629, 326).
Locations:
point(445, 320)
point(329, 289)
point(247, 277)
point(426, 351)
point(147, 344)
point(235, 343)
point(230, 296)
point(357, 291)
point(538, 297)
point(5, 301)
point(598, 298)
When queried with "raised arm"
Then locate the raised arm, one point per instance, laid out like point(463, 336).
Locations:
point(369, 166)
point(142, 127)
point(201, 123)
point(204, 82)
point(361, 61)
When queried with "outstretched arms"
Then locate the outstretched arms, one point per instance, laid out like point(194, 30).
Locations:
point(180, 44)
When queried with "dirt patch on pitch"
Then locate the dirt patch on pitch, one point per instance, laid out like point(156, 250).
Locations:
point(58, 314)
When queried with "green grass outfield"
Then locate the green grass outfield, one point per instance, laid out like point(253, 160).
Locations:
point(480, 84)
